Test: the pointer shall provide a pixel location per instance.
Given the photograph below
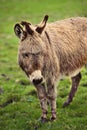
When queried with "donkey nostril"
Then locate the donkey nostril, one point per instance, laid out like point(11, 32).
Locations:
point(37, 81)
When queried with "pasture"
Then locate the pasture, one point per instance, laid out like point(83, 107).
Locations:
point(19, 105)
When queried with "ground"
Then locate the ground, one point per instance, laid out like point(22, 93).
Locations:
point(19, 105)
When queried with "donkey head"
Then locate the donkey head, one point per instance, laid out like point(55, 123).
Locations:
point(32, 49)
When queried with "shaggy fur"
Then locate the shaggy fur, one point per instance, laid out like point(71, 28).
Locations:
point(52, 51)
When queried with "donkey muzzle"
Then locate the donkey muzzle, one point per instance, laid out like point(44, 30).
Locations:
point(36, 77)
point(37, 81)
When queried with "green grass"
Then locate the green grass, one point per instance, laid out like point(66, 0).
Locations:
point(19, 105)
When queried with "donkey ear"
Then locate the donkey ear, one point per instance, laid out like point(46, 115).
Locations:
point(19, 31)
point(42, 25)
point(27, 27)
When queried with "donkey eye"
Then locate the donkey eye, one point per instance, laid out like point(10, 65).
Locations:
point(25, 55)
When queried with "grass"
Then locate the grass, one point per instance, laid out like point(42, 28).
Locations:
point(19, 105)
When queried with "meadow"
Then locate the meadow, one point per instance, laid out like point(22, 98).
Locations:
point(19, 105)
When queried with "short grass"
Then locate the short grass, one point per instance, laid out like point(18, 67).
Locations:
point(19, 105)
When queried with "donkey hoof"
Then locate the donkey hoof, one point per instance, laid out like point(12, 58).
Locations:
point(43, 120)
point(53, 118)
point(65, 104)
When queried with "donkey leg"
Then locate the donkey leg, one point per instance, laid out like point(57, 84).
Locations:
point(75, 84)
point(52, 94)
point(41, 91)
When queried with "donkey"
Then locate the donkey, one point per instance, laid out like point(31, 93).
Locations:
point(50, 51)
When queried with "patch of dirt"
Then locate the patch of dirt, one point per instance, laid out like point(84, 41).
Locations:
point(5, 76)
point(84, 85)
point(22, 82)
point(1, 90)
point(9, 101)
point(33, 93)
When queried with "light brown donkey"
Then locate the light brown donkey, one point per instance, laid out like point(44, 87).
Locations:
point(48, 52)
